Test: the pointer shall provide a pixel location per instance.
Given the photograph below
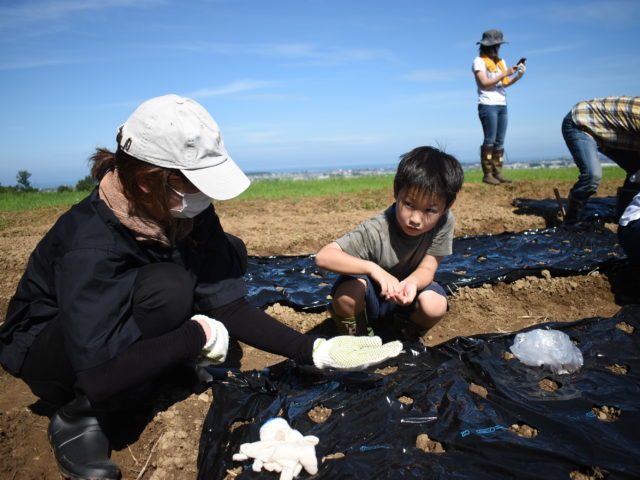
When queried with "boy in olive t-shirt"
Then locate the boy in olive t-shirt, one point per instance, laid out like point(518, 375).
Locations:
point(388, 263)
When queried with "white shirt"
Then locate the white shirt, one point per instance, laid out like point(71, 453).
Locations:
point(632, 212)
point(495, 95)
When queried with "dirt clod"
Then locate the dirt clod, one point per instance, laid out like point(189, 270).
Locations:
point(587, 473)
point(607, 413)
point(523, 430)
point(478, 390)
point(548, 385)
point(319, 414)
point(423, 442)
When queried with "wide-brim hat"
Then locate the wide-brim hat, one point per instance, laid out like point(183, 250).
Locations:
point(177, 132)
point(491, 37)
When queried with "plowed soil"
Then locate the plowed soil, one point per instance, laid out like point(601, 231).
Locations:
point(160, 440)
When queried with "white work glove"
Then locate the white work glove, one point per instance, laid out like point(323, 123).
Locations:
point(215, 350)
point(281, 449)
point(353, 353)
point(522, 68)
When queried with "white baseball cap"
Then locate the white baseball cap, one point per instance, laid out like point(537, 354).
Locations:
point(176, 132)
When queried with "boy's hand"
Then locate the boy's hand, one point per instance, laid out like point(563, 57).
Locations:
point(407, 293)
point(389, 285)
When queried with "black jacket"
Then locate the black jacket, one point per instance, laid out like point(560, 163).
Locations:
point(83, 271)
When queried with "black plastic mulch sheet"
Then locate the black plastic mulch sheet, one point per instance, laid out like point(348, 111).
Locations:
point(297, 282)
point(596, 208)
point(375, 418)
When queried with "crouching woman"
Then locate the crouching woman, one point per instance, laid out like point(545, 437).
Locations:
point(140, 277)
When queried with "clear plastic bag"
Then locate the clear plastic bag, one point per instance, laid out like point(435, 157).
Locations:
point(552, 348)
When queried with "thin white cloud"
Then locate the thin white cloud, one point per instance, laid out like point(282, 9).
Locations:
point(29, 11)
point(600, 12)
point(557, 48)
point(44, 11)
point(263, 137)
point(434, 96)
point(426, 75)
point(609, 12)
point(296, 53)
point(230, 89)
point(22, 65)
point(274, 138)
point(274, 97)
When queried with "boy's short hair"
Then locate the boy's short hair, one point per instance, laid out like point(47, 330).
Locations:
point(431, 171)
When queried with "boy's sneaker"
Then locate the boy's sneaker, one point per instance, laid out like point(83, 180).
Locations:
point(409, 330)
point(355, 326)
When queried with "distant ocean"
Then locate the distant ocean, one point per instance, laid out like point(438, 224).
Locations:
point(389, 169)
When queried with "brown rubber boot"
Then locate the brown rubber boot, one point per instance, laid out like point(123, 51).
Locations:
point(497, 160)
point(355, 326)
point(487, 165)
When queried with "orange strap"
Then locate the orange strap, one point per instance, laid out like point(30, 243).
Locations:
point(491, 66)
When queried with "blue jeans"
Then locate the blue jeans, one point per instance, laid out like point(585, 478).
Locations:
point(494, 124)
point(584, 150)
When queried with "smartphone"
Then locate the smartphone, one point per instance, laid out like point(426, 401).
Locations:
point(522, 60)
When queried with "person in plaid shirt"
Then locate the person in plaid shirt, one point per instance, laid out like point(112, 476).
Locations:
point(611, 126)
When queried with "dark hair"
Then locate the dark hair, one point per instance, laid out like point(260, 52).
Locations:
point(430, 171)
point(130, 170)
point(490, 51)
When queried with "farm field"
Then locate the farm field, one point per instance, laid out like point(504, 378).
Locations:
point(161, 441)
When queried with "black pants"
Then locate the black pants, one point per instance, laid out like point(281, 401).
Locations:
point(162, 302)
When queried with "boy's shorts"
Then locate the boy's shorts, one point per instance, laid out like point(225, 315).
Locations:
point(380, 309)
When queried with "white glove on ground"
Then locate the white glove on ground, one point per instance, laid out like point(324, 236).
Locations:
point(281, 449)
point(215, 350)
point(353, 353)
point(522, 68)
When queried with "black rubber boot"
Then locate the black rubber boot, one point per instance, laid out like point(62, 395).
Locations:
point(79, 444)
point(573, 210)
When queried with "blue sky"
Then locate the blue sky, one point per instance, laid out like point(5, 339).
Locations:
point(299, 83)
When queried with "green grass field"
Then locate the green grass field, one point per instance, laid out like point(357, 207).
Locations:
point(286, 188)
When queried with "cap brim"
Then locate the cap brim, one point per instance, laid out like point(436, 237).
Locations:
point(220, 182)
point(490, 44)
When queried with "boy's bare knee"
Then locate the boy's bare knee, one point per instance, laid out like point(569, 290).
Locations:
point(348, 298)
point(432, 305)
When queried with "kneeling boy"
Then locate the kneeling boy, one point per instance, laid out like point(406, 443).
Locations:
point(388, 263)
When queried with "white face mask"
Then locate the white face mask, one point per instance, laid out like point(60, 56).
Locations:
point(192, 204)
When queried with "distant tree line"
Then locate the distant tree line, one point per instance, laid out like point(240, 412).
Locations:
point(24, 185)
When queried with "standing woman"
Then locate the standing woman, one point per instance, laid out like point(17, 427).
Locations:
point(139, 277)
point(492, 77)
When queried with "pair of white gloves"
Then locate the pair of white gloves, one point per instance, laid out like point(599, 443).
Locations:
point(342, 353)
point(281, 449)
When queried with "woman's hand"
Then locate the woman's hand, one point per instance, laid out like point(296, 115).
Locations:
point(511, 71)
point(215, 348)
